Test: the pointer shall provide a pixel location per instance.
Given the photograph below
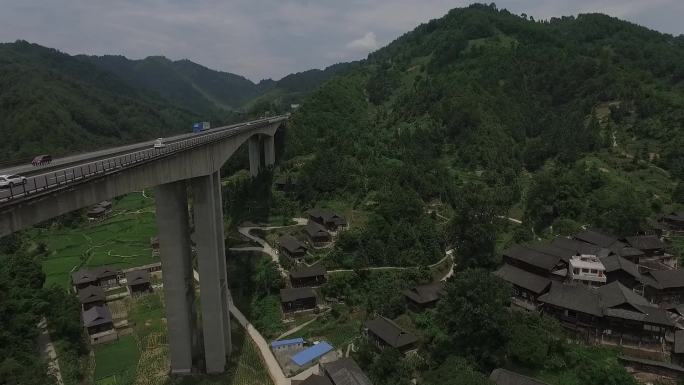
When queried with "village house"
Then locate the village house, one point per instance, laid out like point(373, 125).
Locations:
point(99, 325)
point(308, 276)
point(107, 205)
point(107, 276)
point(502, 376)
point(599, 239)
point(298, 299)
point(622, 270)
point(611, 313)
point(423, 297)
point(664, 286)
point(291, 248)
point(317, 234)
point(586, 269)
point(327, 218)
point(313, 379)
point(674, 222)
point(383, 332)
point(345, 371)
point(138, 282)
point(83, 278)
point(96, 212)
point(549, 262)
point(91, 296)
point(526, 286)
point(651, 245)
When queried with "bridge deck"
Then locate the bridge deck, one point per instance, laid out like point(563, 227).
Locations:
point(77, 168)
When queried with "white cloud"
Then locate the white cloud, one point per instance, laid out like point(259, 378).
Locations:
point(366, 43)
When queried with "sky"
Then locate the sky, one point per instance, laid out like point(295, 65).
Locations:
point(268, 38)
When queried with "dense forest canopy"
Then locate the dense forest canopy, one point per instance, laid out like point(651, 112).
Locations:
point(563, 120)
point(51, 102)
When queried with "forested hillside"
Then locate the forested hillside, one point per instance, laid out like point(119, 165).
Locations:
point(560, 123)
point(51, 102)
point(54, 103)
point(182, 82)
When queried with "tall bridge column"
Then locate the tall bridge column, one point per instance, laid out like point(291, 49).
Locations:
point(269, 150)
point(223, 273)
point(211, 274)
point(174, 242)
point(254, 156)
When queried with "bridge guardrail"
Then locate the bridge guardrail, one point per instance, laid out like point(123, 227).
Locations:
point(59, 178)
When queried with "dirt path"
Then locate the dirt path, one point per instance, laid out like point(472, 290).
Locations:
point(274, 370)
point(47, 351)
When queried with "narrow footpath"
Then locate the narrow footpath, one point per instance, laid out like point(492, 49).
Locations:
point(274, 370)
point(47, 351)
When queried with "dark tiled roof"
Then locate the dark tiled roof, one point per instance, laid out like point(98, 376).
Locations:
point(556, 251)
point(665, 279)
point(314, 229)
point(291, 244)
point(522, 278)
point(96, 315)
point(660, 364)
point(105, 271)
point(308, 272)
point(289, 295)
point(91, 294)
point(96, 210)
point(532, 257)
point(506, 377)
point(646, 242)
point(629, 252)
point(679, 342)
point(346, 371)
point(576, 246)
point(83, 276)
point(613, 263)
point(315, 379)
point(137, 277)
point(573, 297)
point(425, 293)
point(327, 216)
point(391, 333)
point(597, 238)
point(612, 300)
point(675, 217)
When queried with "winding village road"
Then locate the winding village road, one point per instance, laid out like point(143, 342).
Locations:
point(274, 369)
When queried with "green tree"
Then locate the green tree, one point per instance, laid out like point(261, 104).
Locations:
point(473, 316)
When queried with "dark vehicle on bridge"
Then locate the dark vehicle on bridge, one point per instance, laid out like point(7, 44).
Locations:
point(9, 181)
point(41, 160)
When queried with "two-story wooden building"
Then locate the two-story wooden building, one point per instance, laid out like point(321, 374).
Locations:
point(384, 332)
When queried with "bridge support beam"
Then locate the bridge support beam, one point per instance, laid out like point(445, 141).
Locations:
point(254, 156)
point(269, 151)
point(212, 276)
point(174, 241)
point(223, 272)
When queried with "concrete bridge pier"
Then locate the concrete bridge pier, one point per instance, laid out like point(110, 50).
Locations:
point(269, 151)
point(174, 241)
point(209, 240)
point(221, 246)
point(254, 156)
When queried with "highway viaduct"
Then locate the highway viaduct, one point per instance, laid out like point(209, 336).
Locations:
point(188, 163)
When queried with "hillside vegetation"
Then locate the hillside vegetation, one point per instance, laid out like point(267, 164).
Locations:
point(566, 122)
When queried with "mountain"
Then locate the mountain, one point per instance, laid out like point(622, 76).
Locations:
point(292, 89)
point(182, 82)
point(562, 123)
point(51, 102)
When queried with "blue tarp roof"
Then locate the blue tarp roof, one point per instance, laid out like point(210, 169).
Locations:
point(293, 341)
point(305, 356)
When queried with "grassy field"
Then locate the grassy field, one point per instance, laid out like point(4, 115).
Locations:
point(339, 327)
point(121, 239)
point(142, 357)
point(113, 360)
